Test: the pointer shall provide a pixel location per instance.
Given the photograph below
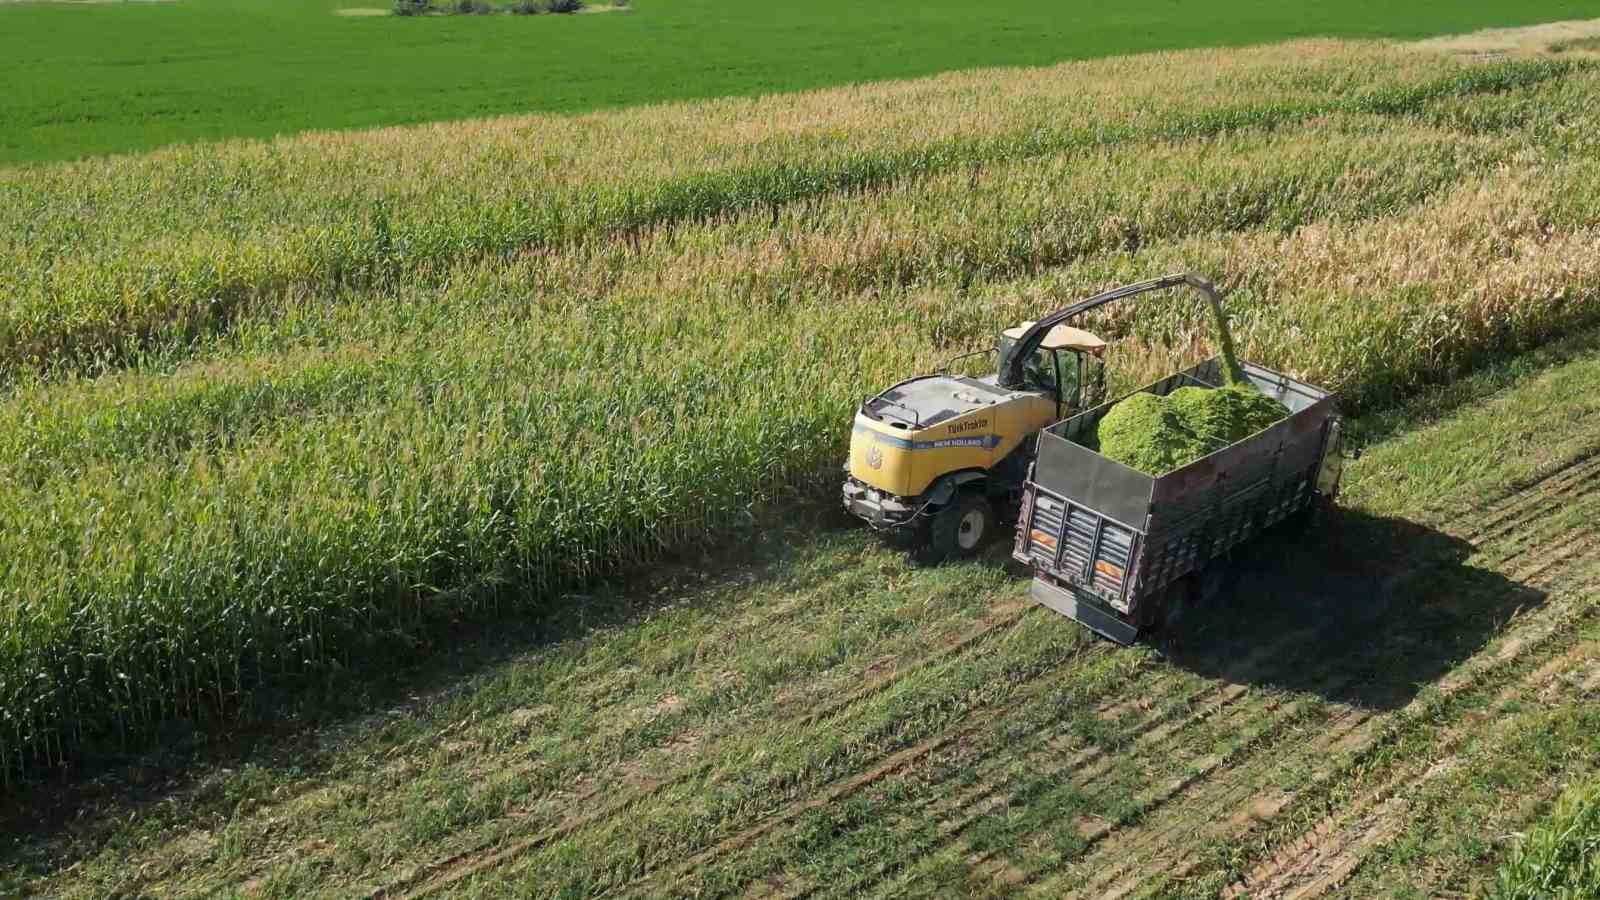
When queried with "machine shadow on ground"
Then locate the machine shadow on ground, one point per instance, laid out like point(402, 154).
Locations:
point(1365, 610)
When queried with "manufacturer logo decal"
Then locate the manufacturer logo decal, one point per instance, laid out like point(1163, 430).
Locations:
point(974, 425)
point(875, 458)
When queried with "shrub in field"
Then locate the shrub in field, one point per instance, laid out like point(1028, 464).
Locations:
point(566, 6)
point(412, 7)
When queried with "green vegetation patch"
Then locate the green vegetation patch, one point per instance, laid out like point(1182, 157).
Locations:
point(1560, 858)
point(1157, 435)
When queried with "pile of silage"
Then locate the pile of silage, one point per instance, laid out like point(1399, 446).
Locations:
point(1157, 435)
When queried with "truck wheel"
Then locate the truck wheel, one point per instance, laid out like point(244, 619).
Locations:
point(961, 529)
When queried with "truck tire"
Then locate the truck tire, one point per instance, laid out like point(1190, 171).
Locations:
point(961, 529)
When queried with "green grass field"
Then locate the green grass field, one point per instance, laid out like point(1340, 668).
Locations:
point(84, 79)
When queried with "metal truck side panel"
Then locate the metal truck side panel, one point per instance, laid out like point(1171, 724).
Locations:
point(1110, 488)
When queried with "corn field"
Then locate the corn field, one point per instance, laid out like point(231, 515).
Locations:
point(268, 407)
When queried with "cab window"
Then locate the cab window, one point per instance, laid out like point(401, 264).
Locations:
point(1069, 366)
point(1093, 380)
point(1039, 371)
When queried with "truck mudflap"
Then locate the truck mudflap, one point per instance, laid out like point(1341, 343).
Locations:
point(1070, 603)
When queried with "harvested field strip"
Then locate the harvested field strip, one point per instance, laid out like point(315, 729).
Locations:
point(1348, 742)
point(1488, 796)
point(1089, 774)
point(1039, 733)
point(1417, 732)
point(635, 837)
point(440, 874)
point(1212, 811)
point(1331, 851)
point(1162, 861)
point(709, 772)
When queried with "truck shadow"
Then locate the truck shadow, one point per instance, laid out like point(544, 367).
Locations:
point(1360, 609)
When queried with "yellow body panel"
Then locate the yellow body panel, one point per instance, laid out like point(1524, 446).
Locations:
point(905, 461)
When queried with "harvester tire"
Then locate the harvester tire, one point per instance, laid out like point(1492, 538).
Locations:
point(962, 528)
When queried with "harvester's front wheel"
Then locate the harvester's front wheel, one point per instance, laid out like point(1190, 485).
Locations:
point(961, 529)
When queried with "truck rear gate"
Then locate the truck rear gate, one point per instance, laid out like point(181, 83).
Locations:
point(1106, 541)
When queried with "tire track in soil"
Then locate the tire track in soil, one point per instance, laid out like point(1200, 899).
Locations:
point(1234, 793)
point(1429, 884)
point(1572, 545)
point(1005, 878)
point(1574, 477)
point(1354, 736)
point(1432, 881)
point(973, 724)
point(1096, 831)
point(1523, 814)
point(1222, 796)
point(957, 812)
point(1253, 819)
point(1333, 848)
point(487, 854)
point(1515, 508)
point(1531, 637)
point(1088, 765)
point(1216, 695)
point(401, 753)
point(1051, 756)
point(1082, 778)
point(1511, 508)
point(1350, 731)
point(1367, 719)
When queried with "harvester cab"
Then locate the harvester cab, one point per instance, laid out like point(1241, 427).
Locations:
point(939, 459)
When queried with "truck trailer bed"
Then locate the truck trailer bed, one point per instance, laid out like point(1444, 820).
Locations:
point(1106, 542)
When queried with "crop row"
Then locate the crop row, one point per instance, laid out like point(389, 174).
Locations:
point(350, 468)
point(102, 261)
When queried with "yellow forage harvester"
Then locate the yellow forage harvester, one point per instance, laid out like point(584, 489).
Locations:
point(1159, 434)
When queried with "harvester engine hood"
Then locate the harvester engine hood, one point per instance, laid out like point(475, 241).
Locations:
point(911, 434)
point(922, 403)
